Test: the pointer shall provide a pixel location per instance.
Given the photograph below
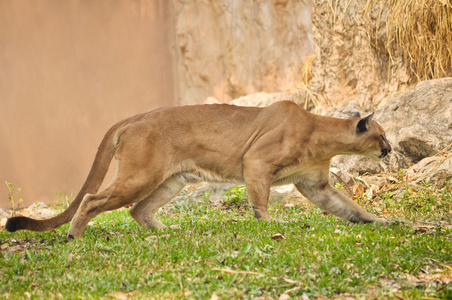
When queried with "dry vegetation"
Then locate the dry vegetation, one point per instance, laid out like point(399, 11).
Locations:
point(418, 31)
point(411, 36)
point(421, 31)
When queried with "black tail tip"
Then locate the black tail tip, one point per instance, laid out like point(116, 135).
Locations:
point(13, 224)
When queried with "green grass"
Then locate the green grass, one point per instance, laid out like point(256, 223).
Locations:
point(226, 252)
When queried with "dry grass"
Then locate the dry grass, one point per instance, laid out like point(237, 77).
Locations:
point(421, 31)
point(306, 70)
point(306, 97)
point(418, 31)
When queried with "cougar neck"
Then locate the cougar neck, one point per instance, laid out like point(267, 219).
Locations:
point(334, 136)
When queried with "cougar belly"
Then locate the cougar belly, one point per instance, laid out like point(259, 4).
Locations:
point(288, 175)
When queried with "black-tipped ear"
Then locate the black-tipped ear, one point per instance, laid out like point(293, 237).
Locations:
point(364, 124)
point(356, 115)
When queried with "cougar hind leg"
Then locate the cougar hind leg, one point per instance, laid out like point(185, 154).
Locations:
point(120, 193)
point(144, 211)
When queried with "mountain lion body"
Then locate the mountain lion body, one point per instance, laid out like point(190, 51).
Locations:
point(159, 152)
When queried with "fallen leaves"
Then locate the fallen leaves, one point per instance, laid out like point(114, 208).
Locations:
point(155, 237)
point(422, 228)
point(337, 231)
point(121, 295)
point(175, 227)
point(187, 293)
point(297, 284)
point(15, 249)
point(283, 296)
point(12, 248)
point(426, 278)
point(358, 189)
point(434, 261)
point(235, 271)
point(214, 297)
point(278, 237)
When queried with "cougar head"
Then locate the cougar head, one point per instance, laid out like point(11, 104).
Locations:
point(371, 138)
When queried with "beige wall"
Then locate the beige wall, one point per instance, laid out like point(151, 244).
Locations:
point(68, 71)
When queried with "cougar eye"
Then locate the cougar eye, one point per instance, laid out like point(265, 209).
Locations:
point(383, 138)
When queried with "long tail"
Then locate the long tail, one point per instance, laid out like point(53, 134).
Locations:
point(95, 178)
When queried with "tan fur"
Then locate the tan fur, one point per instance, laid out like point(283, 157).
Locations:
point(158, 152)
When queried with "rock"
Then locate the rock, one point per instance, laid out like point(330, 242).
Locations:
point(378, 181)
point(342, 177)
point(4, 213)
point(216, 194)
point(356, 165)
point(179, 200)
point(44, 213)
point(286, 194)
point(39, 210)
point(207, 193)
point(418, 124)
point(37, 206)
point(345, 111)
point(23, 213)
point(279, 194)
point(213, 191)
point(265, 99)
point(434, 170)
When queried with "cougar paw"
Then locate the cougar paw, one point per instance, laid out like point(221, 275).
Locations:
point(71, 237)
point(157, 225)
point(381, 221)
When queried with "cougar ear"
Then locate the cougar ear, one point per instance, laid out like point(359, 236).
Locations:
point(356, 115)
point(364, 124)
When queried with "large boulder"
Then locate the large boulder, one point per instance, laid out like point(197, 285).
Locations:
point(265, 99)
point(418, 124)
point(435, 170)
point(217, 193)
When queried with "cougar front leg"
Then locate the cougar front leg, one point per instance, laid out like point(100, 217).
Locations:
point(258, 181)
point(331, 200)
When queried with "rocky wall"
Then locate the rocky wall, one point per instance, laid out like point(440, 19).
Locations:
point(352, 62)
point(227, 49)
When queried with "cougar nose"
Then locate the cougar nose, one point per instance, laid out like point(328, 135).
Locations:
point(385, 151)
point(389, 148)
